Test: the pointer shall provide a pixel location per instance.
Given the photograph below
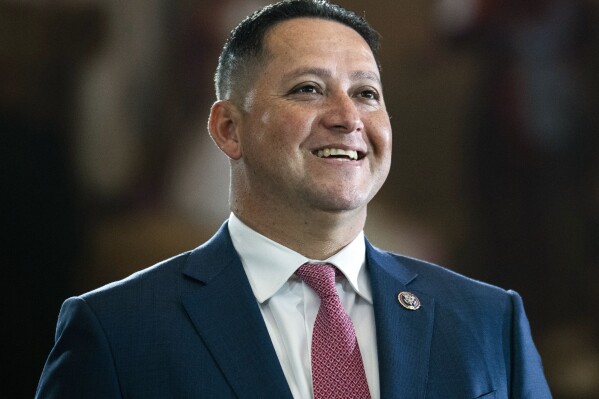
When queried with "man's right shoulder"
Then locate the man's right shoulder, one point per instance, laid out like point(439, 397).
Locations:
point(167, 276)
point(164, 272)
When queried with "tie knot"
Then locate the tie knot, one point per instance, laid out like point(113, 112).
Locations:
point(320, 277)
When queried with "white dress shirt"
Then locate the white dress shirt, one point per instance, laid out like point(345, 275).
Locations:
point(289, 306)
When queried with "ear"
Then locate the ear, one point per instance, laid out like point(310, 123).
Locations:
point(223, 125)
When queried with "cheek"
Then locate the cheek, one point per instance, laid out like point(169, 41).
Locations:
point(259, 129)
point(268, 137)
point(386, 137)
point(260, 134)
point(279, 127)
point(381, 136)
point(265, 118)
point(291, 126)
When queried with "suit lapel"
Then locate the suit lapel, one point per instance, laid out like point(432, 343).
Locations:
point(224, 311)
point(403, 336)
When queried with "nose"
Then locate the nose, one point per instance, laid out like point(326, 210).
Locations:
point(342, 114)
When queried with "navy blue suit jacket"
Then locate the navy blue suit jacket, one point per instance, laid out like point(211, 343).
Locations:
point(190, 327)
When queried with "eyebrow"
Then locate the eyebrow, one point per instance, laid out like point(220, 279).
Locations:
point(366, 75)
point(325, 73)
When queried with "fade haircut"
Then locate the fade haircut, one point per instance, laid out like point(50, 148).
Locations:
point(244, 49)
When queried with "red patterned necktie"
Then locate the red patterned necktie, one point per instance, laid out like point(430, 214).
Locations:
point(337, 368)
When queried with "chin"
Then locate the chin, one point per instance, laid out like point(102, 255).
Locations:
point(341, 204)
point(340, 197)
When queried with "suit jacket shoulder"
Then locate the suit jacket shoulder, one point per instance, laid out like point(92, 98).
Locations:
point(468, 338)
point(187, 327)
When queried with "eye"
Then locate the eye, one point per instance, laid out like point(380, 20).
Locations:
point(369, 94)
point(307, 88)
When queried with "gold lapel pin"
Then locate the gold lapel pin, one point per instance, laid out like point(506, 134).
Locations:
point(408, 300)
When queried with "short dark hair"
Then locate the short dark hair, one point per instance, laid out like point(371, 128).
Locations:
point(245, 44)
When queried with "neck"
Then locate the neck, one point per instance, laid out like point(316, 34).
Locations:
point(316, 234)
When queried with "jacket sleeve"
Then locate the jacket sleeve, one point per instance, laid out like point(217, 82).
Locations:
point(81, 364)
point(527, 377)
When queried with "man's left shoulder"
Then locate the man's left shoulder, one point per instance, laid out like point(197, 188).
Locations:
point(441, 281)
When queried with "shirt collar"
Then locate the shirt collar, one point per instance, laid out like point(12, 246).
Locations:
point(269, 264)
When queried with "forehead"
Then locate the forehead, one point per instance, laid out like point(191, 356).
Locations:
point(301, 38)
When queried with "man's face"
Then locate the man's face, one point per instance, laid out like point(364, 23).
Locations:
point(314, 131)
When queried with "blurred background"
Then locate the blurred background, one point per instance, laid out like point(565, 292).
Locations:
point(107, 166)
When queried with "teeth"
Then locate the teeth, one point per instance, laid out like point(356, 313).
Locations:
point(327, 152)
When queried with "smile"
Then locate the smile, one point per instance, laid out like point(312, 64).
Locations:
point(337, 153)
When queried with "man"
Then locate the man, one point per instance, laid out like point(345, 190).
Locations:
point(301, 116)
